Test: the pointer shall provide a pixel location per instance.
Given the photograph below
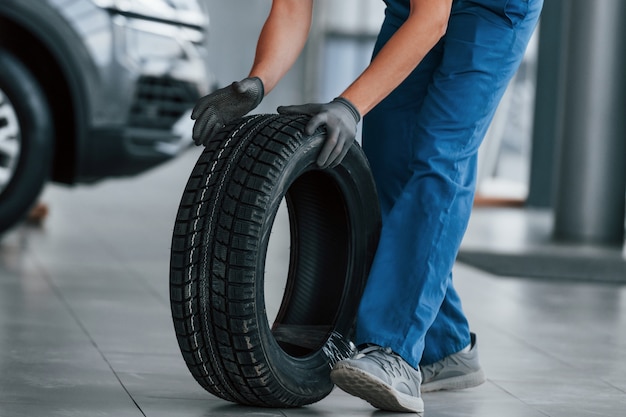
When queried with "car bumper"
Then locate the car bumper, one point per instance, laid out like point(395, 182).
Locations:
point(127, 151)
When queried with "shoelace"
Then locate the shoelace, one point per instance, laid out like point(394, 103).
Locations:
point(371, 349)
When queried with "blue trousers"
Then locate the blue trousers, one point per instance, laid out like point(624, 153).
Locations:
point(422, 143)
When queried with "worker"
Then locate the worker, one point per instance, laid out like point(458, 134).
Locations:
point(438, 71)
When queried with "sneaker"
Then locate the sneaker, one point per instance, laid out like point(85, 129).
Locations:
point(457, 371)
point(382, 378)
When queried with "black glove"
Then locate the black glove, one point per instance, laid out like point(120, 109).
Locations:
point(340, 118)
point(214, 110)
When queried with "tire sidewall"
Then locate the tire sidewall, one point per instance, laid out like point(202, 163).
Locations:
point(310, 375)
point(36, 130)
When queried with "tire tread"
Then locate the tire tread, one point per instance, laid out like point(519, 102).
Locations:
point(217, 231)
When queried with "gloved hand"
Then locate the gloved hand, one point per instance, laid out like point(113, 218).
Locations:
point(214, 110)
point(340, 118)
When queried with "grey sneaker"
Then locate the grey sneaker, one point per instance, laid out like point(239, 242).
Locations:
point(457, 371)
point(381, 378)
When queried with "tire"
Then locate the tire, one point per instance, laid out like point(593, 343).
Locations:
point(26, 140)
point(218, 260)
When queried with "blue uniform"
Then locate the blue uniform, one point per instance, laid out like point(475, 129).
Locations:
point(422, 143)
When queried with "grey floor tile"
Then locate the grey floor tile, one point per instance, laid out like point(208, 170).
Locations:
point(102, 408)
point(486, 400)
point(85, 326)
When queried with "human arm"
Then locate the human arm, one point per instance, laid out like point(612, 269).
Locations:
point(281, 40)
point(426, 24)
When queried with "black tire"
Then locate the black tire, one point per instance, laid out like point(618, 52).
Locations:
point(26, 136)
point(218, 262)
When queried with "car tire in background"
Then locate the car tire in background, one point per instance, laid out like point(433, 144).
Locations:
point(26, 140)
point(218, 262)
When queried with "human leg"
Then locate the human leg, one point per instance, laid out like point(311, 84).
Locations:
point(424, 227)
point(409, 301)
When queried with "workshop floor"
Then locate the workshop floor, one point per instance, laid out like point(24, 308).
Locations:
point(85, 327)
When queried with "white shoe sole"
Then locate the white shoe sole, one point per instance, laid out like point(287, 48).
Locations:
point(373, 390)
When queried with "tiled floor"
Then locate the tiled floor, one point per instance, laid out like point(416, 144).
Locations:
point(85, 328)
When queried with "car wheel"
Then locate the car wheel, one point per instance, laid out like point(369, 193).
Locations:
point(26, 134)
point(219, 252)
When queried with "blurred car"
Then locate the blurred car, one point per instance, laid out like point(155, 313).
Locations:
point(92, 89)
